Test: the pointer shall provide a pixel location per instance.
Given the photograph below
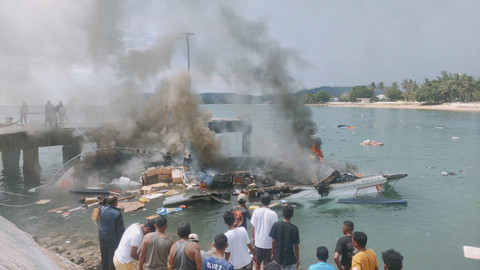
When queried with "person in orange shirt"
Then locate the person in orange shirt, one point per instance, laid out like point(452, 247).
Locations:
point(365, 259)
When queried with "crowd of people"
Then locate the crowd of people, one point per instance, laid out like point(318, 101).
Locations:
point(272, 244)
point(55, 114)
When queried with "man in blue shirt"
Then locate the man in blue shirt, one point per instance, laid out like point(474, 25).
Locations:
point(110, 231)
point(322, 256)
point(216, 261)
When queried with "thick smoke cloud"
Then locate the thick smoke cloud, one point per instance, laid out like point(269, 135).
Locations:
point(97, 59)
point(264, 63)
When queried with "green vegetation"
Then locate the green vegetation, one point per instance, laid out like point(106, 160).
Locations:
point(319, 97)
point(360, 92)
point(393, 93)
point(447, 87)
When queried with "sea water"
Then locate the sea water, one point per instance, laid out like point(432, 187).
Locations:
point(442, 214)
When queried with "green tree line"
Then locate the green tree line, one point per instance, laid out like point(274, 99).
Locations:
point(448, 87)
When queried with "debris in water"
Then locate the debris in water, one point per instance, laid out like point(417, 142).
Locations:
point(42, 202)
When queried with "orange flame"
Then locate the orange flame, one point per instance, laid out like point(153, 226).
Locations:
point(317, 151)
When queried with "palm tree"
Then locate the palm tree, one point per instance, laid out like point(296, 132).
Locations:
point(381, 86)
point(372, 86)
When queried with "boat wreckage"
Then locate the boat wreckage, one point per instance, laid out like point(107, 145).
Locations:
point(158, 182)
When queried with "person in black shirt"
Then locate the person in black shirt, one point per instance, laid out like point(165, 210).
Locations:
point(285, 240)
point(345, 247)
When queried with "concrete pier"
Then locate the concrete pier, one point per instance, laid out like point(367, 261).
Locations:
point(28, 142)
point(10, 160)
point(72, 140)
point(220, 125)
point(31, 167)
point(72, 150)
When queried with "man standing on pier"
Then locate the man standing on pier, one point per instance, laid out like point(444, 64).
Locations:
point(49, 114)
point(262, 221)
point(110, 231)
point(23, 113)
point(345, 247)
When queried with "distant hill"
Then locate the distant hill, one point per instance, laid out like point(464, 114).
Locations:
point(233, 98)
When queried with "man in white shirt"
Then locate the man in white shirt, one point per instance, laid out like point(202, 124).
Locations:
point(238, 241)
point(262, 221)
point(128, 249)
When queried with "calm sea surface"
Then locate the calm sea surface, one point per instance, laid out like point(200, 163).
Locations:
point(442, 215)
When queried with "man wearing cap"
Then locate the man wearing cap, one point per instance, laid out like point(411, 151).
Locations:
point(184, 254)
point(156, 247)
point(127, 251)
point(193, 237)
point(241, 208)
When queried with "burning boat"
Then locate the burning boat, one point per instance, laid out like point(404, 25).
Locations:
point(183, 186)
point(336, 185)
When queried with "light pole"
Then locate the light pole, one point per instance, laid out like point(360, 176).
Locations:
point(187, 35)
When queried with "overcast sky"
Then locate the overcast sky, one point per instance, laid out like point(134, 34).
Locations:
point(83, 51)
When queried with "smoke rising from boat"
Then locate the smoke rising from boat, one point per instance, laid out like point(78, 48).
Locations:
point(103, 64)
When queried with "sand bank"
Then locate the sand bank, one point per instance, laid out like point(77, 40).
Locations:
point(457, 107)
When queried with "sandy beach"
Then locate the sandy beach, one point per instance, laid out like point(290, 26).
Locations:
point(457, 107)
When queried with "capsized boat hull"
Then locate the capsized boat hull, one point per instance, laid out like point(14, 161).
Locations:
point(362, 186)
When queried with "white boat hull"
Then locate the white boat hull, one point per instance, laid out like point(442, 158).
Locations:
point(362, 186)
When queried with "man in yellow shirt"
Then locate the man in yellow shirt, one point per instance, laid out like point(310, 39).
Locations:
point(365, 259)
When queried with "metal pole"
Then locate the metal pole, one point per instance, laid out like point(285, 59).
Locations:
point(187, 37)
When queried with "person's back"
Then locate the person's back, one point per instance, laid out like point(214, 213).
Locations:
point(110, 231)
point(243, 210)
point(110, 225)
point(158, 248)
point(322, 256)
point(217, 261)
point(132, 236)
point(285, 242)
point(181, 259)
point(238, 241)
point(392, 260)
point(184, 255)
point(263, 219)
point(344, 249)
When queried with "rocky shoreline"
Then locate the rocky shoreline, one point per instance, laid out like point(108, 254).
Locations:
point(82, 250)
